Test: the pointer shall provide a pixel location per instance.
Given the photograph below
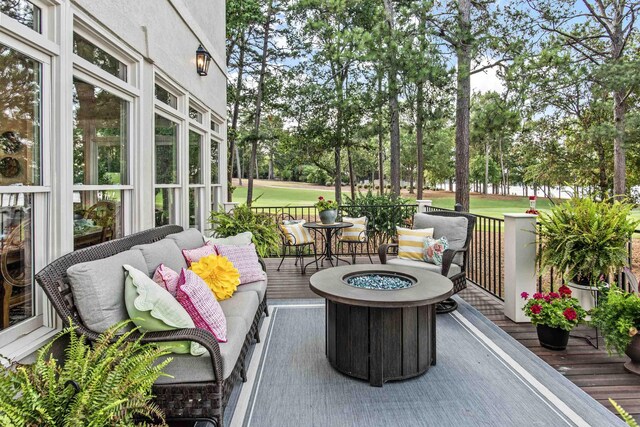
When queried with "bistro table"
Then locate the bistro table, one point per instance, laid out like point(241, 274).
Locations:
point(328, 235)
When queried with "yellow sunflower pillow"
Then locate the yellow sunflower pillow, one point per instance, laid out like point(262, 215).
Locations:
point(219, 274)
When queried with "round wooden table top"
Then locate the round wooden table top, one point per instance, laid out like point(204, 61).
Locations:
point(319, 225)
point(428, 288)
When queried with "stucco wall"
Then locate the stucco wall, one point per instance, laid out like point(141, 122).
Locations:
point(172, 42)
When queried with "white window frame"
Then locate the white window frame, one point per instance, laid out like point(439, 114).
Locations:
point(166, 111)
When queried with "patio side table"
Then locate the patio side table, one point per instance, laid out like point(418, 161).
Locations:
point(328, 229)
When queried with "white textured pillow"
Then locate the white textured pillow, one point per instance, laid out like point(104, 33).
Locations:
point(241, 239)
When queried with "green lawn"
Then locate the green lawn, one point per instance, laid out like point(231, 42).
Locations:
point(267, 196)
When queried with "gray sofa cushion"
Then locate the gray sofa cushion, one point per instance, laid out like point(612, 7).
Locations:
point(453, 228)
point(188, 239)
point(164, 252)
point(98, 288)
point(187, 368)
point(453, 270)
point(260, 287)
point(241, 304)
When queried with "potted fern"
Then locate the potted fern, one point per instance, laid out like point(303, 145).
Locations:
point(585, 239)
point(108, 383)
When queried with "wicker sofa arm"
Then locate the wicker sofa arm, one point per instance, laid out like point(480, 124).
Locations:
point(262, 264)
point(383, 251)
point(201, 336)
point(447, 259)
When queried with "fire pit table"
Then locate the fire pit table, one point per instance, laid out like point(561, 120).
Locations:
point(381, 319)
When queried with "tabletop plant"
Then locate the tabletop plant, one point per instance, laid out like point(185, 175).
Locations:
point(554, 309)
point(107, 383)
point(242, 218)
point(617, 315)
point(325, 205)
point(584, 239)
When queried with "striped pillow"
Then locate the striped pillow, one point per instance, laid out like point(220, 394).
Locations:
point(410, 242)
point(357, 232)
point(295, 233)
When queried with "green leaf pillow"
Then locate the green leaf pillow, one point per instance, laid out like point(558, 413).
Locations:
point(153, 309)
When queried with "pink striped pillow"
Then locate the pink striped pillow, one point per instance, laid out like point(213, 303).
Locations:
point(166, 278)
point(203, 307)
point(245, 259)
point(193, 255)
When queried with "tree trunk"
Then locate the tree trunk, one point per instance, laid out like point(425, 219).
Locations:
point(502, 171)
point(394, 110)
point(259, 94)
point(239, 165)
point(463, 53)
point(352, 175)
point(485, 184)
point(380, 142)
point(338, 176)
point(420, 140)
point(619, 161)
point(234, 121)
point(271, 173)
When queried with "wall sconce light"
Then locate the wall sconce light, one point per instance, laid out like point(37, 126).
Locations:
point(203, 58)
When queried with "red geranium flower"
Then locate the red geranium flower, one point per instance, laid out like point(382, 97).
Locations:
point(547, 298)
point(524, 295)
point(537, 295)
point(536, 309)
point(570, 314)
point(320, 198)
point(554, 295)
point(564, 290)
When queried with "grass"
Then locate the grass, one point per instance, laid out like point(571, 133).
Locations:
point(272, 196)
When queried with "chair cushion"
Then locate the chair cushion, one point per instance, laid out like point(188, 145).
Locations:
point(167, 279)
point(98, 288)
point(237, 240)
point(194, 369)
point(153, 309)
point(219, 274)
point(245, 259)
point(357, 233)
point(454, 228)
point(410, 242)
point(260, 287)
point(194, 255)
point(188, 239)
point(433, 249)
point(453, 270)
point(165, 252)
point(202, 306)
point(243, 304)
point(295, 233)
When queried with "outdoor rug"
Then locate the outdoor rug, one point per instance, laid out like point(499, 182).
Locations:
point(483, 377)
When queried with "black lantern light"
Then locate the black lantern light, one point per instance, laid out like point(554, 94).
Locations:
point(203, 58)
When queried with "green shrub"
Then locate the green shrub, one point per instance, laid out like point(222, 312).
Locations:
point(107, 383)
point(618, 317)
point(243, 218)
point(384, 212)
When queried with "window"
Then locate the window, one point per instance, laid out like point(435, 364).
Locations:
point(196, 183)
point(97, 56)
point(215, 127)
point(24, 12)
point(97, 217)
point(195, 115)
point(215, 165)
point(166, 170)
point(166, 97)
point(20, 165)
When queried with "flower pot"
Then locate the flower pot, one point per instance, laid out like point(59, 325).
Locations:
point(586, 295)
point(552, 338)
point(328, 216)
point(633, 351)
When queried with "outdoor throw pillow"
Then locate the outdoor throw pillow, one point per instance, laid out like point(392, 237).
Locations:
point(245, 259)
point(153, 309)
point(166, 278)
point(410, 242)
point(239, 239)
point(219, 274)
point(193, 255)
point(356, 233)
point(203, 307)
point(295, 232)
point(434, 249)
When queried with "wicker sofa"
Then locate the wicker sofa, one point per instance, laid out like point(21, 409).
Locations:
point(201, 385)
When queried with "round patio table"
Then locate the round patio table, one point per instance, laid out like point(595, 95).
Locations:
point(380, 335)
point(327, 254)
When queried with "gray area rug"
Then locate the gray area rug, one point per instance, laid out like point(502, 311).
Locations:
point(483, 378)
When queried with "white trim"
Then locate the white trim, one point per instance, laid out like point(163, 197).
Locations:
point(28, 343)
point(88, 187)
point(40, 41)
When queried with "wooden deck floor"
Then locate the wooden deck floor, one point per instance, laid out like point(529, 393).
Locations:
point(593, 370)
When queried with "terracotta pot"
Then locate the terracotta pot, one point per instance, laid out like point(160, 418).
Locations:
point(552, 338)
point(633, 351)
point(328, 216)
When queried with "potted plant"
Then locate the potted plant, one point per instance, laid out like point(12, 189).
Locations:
point(327, 209)
point(555, 314)
point(107, 383)
point(617, 315)
point(585, 239)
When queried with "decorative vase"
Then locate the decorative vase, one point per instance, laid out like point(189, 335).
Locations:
point(633, 351)
point(552, 338)
point(585, 294)
point(328, 216)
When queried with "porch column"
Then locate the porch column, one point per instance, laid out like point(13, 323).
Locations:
point(229, 206)
point(519, 263)
point(422, 204)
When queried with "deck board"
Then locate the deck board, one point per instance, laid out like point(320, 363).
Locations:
point(598, 374)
